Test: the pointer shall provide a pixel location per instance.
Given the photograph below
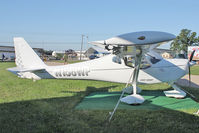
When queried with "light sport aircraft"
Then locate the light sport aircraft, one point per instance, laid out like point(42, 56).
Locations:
point(132, 60)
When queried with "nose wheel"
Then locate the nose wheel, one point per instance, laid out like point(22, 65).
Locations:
point(176, 93)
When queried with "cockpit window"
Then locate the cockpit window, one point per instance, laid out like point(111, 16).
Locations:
point(116, 59)
point(129, 58)
point(130, 61)
point(152, 59)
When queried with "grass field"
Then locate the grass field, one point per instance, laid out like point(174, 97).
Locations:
point(47, 106)
point(195, 70)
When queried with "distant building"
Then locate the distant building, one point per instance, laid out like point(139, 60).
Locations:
point(71, 54)
point(97, 51)
point(83, 56)
point(165, 53)
point(9, 52)
point(54, 53)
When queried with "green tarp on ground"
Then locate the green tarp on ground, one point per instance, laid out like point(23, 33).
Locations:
point(154, 100)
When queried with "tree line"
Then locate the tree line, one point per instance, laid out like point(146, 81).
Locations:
point(183, 40)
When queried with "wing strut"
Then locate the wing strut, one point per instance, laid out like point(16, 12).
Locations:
point(118, 102)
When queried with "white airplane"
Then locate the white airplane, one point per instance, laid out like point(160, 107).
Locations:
point(132, 61)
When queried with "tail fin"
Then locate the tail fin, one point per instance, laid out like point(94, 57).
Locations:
point(25, 55)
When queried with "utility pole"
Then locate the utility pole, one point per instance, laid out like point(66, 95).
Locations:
point(87, 42)
point(81, 47)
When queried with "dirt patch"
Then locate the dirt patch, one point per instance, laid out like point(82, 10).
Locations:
point(54, 63)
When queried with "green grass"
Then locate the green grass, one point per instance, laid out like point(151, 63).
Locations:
point(48, 105)
point(195, 70)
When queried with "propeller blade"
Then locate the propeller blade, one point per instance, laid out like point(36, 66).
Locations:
point(191, 57)
point(189, 76)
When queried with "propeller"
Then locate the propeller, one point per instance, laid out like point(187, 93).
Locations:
point(190, 59)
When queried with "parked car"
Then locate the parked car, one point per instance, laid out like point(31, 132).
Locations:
point(93, 57)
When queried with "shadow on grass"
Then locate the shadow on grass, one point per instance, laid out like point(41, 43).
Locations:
point(44, 115)
point(91, 89)
point(187, 83)
point(59, 115)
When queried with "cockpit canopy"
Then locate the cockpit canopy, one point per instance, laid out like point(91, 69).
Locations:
point(128, 56)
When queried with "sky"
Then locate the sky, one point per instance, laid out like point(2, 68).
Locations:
point(59, 24)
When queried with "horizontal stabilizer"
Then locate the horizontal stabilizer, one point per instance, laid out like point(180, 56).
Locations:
point(17, 69)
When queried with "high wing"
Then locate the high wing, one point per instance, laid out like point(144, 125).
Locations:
point(136, 39)
point(145, 40)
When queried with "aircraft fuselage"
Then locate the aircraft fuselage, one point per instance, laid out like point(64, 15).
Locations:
point(104, 69)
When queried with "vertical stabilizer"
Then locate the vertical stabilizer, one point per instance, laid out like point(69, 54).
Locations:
point(25, 55)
